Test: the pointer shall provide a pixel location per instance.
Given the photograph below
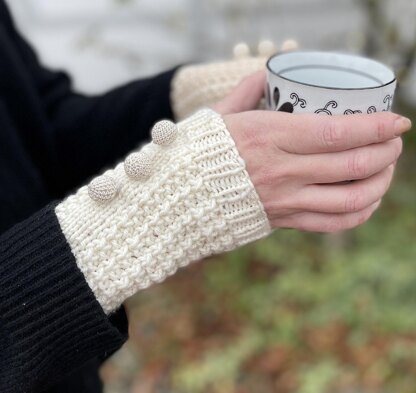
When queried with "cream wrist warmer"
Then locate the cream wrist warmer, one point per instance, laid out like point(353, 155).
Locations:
point(175, 202)
point(197, 86)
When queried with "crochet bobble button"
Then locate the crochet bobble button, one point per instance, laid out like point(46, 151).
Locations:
point(138, 166)
point(266, 48)
point(164, 132)
point(290, 45)
point(102, 189)
point(241, 51)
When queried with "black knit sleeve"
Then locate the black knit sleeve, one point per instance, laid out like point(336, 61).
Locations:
point(50, 322)
point(84, 133)
point(90, 133)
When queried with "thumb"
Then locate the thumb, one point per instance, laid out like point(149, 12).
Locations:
point(245, 97)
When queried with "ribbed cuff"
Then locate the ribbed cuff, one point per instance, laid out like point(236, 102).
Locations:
point(228, 183)
point(50, 321)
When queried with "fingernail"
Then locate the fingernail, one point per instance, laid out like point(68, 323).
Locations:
point(402, 124)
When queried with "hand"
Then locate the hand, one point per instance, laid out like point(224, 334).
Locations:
point(297, 163)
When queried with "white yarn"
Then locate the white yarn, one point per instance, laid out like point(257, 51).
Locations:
point(241, 51)
point(138, 166)
point(102, 189)
point(198, 86)
point(199, 201)
point(266, 48)
point(164, 132)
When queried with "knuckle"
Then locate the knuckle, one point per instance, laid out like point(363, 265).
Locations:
point(278, 209)
point(358, 166)
point(382, 131)
point(272, 176)
point(354, 201)
point(279, 222)
point(258, 140)
point(254, 137)
point(333, 133)
point(348, 221)
point(266, 177)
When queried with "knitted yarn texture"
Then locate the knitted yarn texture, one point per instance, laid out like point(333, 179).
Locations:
point(198, 86)
point(198, 201)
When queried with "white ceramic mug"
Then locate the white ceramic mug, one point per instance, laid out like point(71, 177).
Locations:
point(328, 83)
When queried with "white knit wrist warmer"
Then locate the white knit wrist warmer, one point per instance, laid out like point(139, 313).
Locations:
point(202, 85)
point(183, 199)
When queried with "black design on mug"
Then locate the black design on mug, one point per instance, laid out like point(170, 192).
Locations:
point(351, 112)
point(298, 101)
point(325, 110)
point(371, 109)
point(286, 107)
point(276, 97)
point(388, 99)
point(268, 97)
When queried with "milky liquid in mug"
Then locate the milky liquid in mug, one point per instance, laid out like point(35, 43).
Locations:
point(330, 77)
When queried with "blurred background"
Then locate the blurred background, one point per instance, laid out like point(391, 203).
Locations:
point(295, 313)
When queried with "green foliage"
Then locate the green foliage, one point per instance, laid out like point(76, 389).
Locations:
point(218, 366)
point(317, 378)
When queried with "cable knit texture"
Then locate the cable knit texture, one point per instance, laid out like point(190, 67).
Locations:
point(199, 201)
point(197, 86)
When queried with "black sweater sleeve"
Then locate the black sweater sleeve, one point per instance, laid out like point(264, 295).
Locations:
point(50, 322)
point(78, 135)
point(91, 133)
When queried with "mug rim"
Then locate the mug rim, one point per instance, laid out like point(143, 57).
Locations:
point(278, 54)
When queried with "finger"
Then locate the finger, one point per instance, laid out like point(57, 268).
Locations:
point(345, 198)
point(327, 223)
point(245, 96)
point(355, 164)
point(311, 133)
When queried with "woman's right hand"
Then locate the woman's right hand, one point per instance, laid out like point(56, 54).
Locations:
point(313, 172)
point(318, 173)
